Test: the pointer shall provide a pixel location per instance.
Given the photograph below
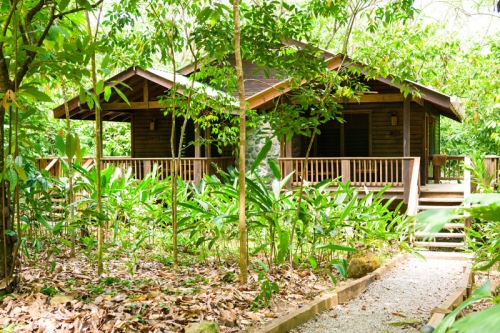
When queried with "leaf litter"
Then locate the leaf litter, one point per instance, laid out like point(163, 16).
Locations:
point(155, 298)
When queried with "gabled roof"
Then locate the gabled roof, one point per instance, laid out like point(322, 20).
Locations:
point(448, 106)
point(116, 109)
point(189, 68)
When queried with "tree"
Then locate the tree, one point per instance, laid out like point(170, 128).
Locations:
point(242, 222)
point(29, 30)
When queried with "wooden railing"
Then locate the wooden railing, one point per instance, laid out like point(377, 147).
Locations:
point(191, 169)
point(359, 171)
point(451, 169)
point(369, 171)
point(53, 164)
point(491, 163)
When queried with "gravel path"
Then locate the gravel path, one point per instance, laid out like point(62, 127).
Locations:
point(410, 290)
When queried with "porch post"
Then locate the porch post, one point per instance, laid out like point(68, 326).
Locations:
point(406, 127)
point(288, 163)
point(407, 164)
point(346, 170)
point(197, 154)
point(208, 146)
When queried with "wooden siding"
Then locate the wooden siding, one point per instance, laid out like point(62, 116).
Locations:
point(156, 143)
point(386, 139)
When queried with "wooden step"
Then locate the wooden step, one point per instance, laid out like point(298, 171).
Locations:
point(440, 235)
point(442, 194)
point(453, 226)
point(427, 207)
point(431, 200)
point(438, 244)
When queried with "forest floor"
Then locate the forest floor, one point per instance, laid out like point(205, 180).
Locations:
point(149, 296)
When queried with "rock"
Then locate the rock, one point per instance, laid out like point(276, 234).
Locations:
point(59, 299)
point(362, 264)
point(427, 329)
point(203, 327)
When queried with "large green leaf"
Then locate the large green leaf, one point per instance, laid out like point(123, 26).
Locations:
point(481, 292)
point(487, 320)
point(122, 95)
point(78, 150)
point(60, 144)
point(70, 146)
point(275, 169)
point(43, 222)
point(335, 247)
point(283, 246)
point(38, 95)
point(261, 156)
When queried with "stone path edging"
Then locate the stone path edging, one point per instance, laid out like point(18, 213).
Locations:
point(328, 301)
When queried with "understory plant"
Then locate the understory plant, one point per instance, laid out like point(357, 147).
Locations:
point(483, 238)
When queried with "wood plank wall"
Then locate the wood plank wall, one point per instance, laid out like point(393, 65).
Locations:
point(156, 143)
point(387, 140)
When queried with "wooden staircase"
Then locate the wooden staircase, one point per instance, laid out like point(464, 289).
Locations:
point(439, 196)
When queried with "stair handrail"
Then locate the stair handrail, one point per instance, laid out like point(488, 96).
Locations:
point(51, 164)
point(414, 188)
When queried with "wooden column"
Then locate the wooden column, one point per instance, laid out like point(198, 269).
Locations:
point(408, 166)
point(132, 142)
point(346, 171)
point(208, 146)
point(406, 127)
point(146, 168)
point(288, 164)
point(198, 173)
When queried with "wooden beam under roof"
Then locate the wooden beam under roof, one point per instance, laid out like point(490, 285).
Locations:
point(75, 101)
point(131, 106)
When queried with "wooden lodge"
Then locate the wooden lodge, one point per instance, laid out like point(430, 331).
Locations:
point(386, 138)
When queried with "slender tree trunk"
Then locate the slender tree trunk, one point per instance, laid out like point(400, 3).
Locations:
point(70, 177)
point(98, 152)
point(174, 185)
point(6, 245)
point(241, 96)
point(175, 171)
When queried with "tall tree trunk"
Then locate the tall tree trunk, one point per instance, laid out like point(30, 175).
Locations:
point(241, 96)
point(70, 176)
point(175, 170)
point(98, 152)
point(6, 246)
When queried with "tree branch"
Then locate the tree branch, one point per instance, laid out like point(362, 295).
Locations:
point(78, 9)
point(34, 10)
point(7, 21)
point(30, 55)
point(47, 28)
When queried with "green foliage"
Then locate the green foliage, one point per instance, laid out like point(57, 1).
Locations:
point(267, 287)
point(478, 294)
point(49, 291)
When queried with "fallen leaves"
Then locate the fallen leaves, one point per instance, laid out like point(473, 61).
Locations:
point(155, 299)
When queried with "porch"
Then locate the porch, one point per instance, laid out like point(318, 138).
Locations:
point(191, 170)
point(403, 174)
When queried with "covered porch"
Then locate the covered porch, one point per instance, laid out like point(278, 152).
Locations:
point(150, 129)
